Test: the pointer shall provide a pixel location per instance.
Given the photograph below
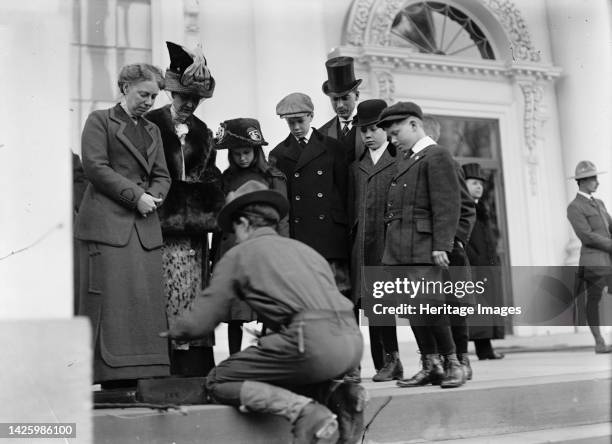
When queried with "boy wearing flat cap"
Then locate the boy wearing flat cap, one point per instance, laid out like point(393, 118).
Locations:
point(592, 224)
point(317, 185)
point(309, 319)
point(341, 88)
point(422, 216)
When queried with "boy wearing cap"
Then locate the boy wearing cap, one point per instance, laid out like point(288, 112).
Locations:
point(422, 215)
point(310, 321)
point(317, 185)
point(370, 176)
point(341, 88)
point(195, 195)
point(592, 224)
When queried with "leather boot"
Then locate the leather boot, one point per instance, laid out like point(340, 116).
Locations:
point(453, 372)
point(312, 422)
point(348, 401)
point(467, 367)
point(391, 370)
point(430, 373)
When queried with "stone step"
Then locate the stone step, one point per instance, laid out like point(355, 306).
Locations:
point(479, 409)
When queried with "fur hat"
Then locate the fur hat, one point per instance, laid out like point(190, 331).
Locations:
point(250, 192)
point(236, 133)
point(188, 72)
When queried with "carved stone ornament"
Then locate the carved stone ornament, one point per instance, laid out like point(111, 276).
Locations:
point(386, 86)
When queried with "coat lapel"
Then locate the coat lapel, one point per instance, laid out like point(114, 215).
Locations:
point(152, 148)
point(125, 140)
point(405, 164)
point(385, 161)
point(314, 148)
point(293, 151)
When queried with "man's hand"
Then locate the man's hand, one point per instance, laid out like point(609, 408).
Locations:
point(147, 204)
point(440, 258)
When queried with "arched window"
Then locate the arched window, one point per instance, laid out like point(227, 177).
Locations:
point(439, 28)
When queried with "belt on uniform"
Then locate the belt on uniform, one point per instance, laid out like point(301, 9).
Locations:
point(312, 315)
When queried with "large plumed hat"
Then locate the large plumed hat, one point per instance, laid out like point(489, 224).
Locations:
point(188, 72)
point(584, 169)
point(340, 77)
point(250, 192)
point(237, 133)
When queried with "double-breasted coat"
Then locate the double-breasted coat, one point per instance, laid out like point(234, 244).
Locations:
point(317, 187)
point(120, 257)
point(423, 208)
point(368, 186)
point(352, 142)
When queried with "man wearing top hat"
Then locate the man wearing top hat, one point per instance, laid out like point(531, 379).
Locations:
point(370, 176)
point(291, 287)
point(317, 185)
point(592, 224)
point(194, 197)
point(341, 88)
point(421, 219)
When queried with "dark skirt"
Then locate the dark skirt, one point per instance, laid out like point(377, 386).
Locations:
point(121, 293)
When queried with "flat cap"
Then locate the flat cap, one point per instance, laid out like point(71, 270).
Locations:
point(399, 111)
point(294, 105)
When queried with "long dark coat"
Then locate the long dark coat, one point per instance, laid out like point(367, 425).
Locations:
point(120, 255)
point(352, 142)
point(368, 187)
point(423, 208)
point(317, 186)
point(482, 252)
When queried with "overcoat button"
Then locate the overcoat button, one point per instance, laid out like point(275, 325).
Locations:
point(296, 175)
point(296, 220)
point(192, 252)
point(320, 172)
point(298, 197)
point(390, 215)
point(393, 184)
point(321, 216)
point(319, 194)
point(405, 185)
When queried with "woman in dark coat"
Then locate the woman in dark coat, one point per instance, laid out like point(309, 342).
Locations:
point(189, 212)
point(120, 236)
point(482, 252)
point(243, 139)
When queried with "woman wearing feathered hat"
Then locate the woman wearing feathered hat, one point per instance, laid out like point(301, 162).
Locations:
point(195, 196)
point(292, 287)
point(244, 140)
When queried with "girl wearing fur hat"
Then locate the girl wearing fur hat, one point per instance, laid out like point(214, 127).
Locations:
point(243, 139)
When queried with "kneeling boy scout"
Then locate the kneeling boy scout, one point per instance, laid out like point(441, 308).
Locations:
point(292, 289)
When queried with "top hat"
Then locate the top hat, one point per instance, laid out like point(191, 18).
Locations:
point(341, 77)
point(294, 105)
point(252, 191)
point(368, 112)
point(399, 111)
point(473, 171)
point(237, 133)
point(586, 168)
point(188, 72)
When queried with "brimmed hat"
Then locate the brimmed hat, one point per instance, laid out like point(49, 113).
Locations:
point(473, 171)
point(237, 133)
point(294, 105)
point(586, 168)
point(341, 77)
point(399, 111)
point(368, 112)
point(188, 72)
point(250, 192)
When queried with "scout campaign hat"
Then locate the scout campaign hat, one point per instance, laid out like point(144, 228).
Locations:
point(250, 192)
point(473, 171)
point(368, 112)
point(188, 72)
point(586, 168)
point(341, 77)
point(399, 111)
point(237, 133)
point(294, 105)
